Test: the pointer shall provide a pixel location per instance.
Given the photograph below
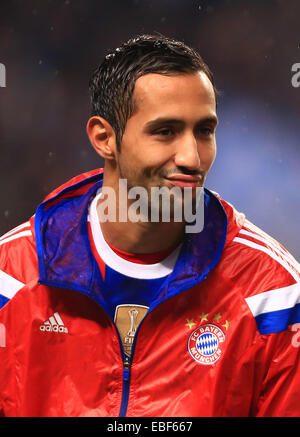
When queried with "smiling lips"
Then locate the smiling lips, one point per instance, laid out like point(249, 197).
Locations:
point(182, 181)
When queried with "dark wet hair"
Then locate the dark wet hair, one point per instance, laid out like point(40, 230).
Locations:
point(112, 83)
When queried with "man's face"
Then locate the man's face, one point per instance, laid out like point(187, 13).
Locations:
point(170, 139)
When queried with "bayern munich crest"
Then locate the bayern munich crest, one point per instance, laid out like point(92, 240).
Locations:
point(205, 344)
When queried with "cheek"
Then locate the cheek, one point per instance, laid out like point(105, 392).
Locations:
point(143, 156)
point(207, 156)
point(132, 166)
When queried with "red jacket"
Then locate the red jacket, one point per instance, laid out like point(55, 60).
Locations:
point(221, 339)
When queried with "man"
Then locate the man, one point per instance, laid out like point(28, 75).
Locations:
point(106, 312)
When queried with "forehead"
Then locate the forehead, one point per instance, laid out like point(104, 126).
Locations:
point(153, 91)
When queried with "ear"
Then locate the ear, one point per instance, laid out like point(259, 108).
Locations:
point(102, 137)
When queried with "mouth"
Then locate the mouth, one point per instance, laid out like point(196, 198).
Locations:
point(182, 181)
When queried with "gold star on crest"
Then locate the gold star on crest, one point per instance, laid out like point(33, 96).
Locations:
point(217, 317)
point(190, 323)
point(226, 324)
point(203, 317)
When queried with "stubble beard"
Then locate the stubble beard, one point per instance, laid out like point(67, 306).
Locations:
point(170, 209)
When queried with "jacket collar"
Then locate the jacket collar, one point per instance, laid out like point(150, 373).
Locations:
point(65, 256)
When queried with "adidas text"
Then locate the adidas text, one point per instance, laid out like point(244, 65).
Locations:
point(56, 328)
point(54, 324)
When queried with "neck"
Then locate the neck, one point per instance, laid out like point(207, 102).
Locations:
point(136, 237)
point(141, 237)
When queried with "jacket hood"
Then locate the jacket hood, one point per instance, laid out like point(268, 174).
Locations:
point(66, 259)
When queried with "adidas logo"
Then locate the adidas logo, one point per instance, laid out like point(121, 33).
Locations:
point(54, 324)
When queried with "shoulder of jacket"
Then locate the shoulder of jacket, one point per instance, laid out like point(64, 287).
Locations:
point(236, 219)
point(73, 181)
point(260, 249)
point(18, 259)
point(252, 257)
point(268, 277)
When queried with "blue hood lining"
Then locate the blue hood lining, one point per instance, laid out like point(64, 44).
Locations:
point(61, 231)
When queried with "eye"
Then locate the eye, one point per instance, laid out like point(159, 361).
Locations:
point(165, 132)
point(206, 131)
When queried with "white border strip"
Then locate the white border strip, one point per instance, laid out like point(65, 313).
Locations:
point(280, 251)
point(15, 236)
point(121, 265)
point(274, 300)
point(270, 253)
point(17, 229)
point(9, 285)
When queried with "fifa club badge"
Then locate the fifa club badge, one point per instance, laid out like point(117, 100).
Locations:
point(205, 344)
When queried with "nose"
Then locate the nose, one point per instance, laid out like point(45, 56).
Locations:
point(187, 154)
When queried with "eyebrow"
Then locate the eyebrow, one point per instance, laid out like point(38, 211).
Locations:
point(165, 120)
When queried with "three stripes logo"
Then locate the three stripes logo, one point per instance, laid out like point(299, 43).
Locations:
point(54, 324)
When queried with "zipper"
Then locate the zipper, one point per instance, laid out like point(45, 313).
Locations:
point(126, 385)
point(125, 358)
point(127, 361)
